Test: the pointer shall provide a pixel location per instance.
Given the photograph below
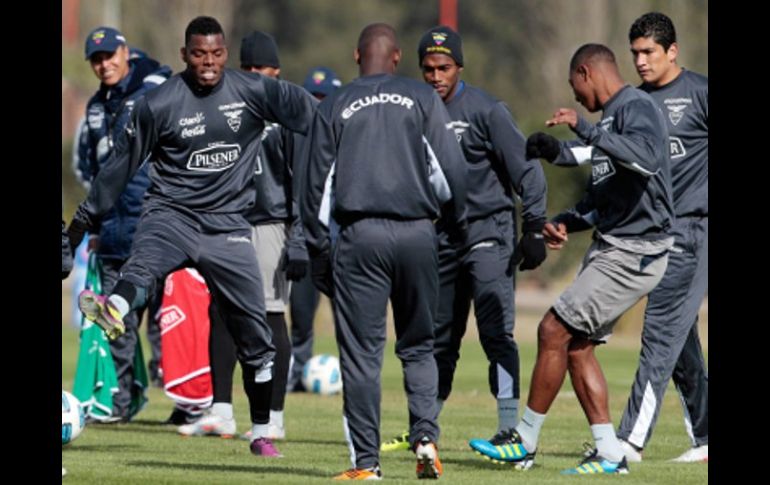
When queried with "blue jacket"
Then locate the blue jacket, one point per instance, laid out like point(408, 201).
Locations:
point(107, 113)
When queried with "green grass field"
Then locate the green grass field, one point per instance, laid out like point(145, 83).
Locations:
point(146, 451)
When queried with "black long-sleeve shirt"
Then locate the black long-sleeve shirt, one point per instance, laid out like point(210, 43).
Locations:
point(685, 104)
point(381, 146)
point(629, 192)
point(202, 143)
point(494, 148)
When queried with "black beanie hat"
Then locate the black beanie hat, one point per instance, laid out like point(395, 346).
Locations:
point(259, 49)
point(441, 40)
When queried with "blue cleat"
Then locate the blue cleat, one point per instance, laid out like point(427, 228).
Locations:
point(505, 447)
point(594, 464)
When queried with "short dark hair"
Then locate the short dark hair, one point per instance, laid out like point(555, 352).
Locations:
point(655, 25)
point(374, 32)
point(202, 26)
point(591, 52)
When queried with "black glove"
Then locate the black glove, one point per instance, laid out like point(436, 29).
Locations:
point(321, 273)
point(530, 251)
point(295, 263)
point(542, 145)
point(78, 227)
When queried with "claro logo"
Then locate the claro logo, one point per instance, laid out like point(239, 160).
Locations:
point(215, 158)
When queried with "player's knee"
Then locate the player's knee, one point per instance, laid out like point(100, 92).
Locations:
point(552, 333)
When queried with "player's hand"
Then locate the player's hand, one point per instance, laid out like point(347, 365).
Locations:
point(530, 250)
point(542, 145)
point(321, 273)
point(295, 263)
point(77, 229)
point(555, 235)
point(563, 116)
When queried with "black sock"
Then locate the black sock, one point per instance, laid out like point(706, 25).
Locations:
point(277, 323)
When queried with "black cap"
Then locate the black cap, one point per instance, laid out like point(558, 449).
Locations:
point(441, 40)
point(259, 49)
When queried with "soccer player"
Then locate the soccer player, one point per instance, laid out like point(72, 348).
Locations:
point(201, 130)
point(628, 201)
point(382, 162)
point(670, 343)
point(281, 253)
point(482, 269)
point(124, 77)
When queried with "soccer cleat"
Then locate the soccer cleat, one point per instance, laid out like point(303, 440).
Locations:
point(595, 464)
point(63, 471)
point(373, 473)
point(505, 447)
point(209, 425)
point(99, 310)
point(428, 463)
point(264, 447)
point(400, 442)
point(633, 455)
point(694, 455)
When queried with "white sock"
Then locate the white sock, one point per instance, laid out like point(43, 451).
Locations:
point(223, 409)
point(276, 418)
point(258, 431)
point(607, 443)
point(529, 428)
point(507, 413)
point(120, 304)
point(264, 374)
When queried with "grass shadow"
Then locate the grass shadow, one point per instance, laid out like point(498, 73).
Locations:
point(287, 470)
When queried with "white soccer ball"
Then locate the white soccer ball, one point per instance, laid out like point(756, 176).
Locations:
point(73, 419)
point(321, 375)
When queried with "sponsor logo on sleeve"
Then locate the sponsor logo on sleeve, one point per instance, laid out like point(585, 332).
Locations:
point(601, 169)
point(238, 239)
point(606, 123)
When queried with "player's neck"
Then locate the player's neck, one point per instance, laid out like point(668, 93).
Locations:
point(673, 73)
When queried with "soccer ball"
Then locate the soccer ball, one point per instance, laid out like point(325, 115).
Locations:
point(73, 420)
point(321, 375)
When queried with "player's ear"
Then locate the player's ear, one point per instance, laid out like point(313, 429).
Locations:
point(672, 52)
point(397, 56)
point(583, 71)
point(356, 56)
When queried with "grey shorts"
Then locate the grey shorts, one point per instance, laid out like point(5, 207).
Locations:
point(609, 282)
point(269, 241)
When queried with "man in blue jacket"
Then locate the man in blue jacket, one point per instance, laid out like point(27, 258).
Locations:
point(125, 77)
